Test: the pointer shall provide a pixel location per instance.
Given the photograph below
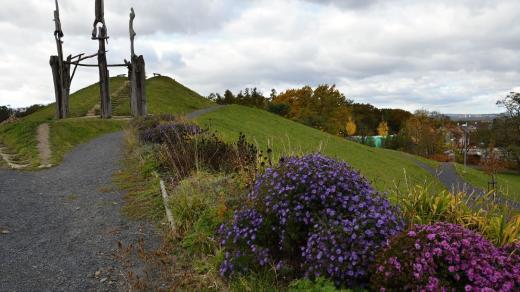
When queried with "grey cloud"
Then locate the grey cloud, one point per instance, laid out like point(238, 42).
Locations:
point(153, 16)
point(459, 54)
point(350, 4)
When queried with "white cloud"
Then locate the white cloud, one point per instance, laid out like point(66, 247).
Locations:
point(456, 56)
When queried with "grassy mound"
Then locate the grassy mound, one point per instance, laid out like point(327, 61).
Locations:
point(165, 96)
point(385, 168)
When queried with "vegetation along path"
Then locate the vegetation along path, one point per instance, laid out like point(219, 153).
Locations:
point(60, 227)
point(448, 176)
point(9, 158)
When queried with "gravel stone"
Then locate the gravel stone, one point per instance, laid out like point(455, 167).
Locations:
point(65, 240)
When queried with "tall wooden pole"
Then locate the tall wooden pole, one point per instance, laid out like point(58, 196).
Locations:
point(102, 37)
point(137, 75)
point(104, 86)
point(55, 67)
point(60, 70)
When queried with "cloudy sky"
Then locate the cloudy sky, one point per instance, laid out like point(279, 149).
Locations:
point(446, 55)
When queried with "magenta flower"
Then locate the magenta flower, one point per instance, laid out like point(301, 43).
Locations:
point(446, 257)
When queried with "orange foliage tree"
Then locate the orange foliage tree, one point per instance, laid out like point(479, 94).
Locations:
point(350, 127)
point(325, 107)
point(382, 129)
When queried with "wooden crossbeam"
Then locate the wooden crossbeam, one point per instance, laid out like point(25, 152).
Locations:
point(95, 65)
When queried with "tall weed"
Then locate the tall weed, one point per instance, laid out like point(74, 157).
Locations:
point(200, 204)
point(485, 214)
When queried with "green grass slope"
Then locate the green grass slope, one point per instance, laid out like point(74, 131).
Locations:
point(508, 182)
point(167, 96)
point(385, 168)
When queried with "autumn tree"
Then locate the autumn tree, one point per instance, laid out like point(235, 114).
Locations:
point(492, 164)
point(350, 127)
point(382, 129)
point(422, 136)
point(395, 118)
point(325, 107)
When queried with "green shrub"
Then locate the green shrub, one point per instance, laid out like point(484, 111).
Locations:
point(205, 151)
point(281, 109)
point(256, 282)
point(319, 285)
point(200, 204)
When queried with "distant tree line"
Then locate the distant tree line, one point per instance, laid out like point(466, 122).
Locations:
point(249, 97)
point(424, 133)
point(6, 111)
point(323, 107)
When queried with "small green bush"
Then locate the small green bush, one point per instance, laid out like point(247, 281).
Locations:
point(319, 285)
point(205, 151)
point(200, 204)
point(281, 109)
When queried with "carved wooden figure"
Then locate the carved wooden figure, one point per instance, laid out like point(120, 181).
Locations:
point(60, 70)
point(132, 32)
point(137, 75)
point(104, 76)
point(100, 33)
point(100, 16)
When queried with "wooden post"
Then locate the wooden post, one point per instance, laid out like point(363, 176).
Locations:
point(138, 89)
point(54, 62)
point(65, 88)
point(60, 70)
point(137, 75)
point(104, 86)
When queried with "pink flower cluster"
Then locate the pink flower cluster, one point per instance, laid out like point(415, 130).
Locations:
point(446, 257)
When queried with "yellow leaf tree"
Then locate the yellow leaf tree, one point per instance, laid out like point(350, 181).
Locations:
point(350, 127)
point(382, 129)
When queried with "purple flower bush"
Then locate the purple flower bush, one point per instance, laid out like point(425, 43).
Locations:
point(446, 257)
point(311, 216)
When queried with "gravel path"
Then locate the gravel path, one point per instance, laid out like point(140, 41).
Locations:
point(448, 176)
point(453, 182)
point(195, 114)
point(61, 225)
